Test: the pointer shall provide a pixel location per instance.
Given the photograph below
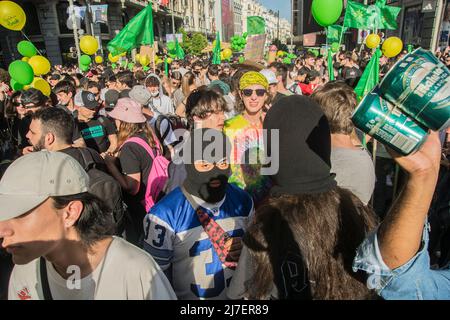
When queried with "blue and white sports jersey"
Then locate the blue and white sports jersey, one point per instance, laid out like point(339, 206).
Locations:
point(175, 237)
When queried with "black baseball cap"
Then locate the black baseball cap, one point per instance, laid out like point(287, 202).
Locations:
point(86, 99)
point(111, 97)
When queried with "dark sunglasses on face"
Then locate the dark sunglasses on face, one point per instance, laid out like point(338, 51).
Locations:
point(249, 92)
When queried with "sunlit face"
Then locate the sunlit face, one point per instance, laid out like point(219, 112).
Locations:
point(254, 103)
point(154, 90)
point(35, 135)
point(214, 120)
point(273, 89)
point(86, 113)
point(64, 98)
point(33, 234)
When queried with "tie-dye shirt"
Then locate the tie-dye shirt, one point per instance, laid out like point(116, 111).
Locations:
point(247, 156)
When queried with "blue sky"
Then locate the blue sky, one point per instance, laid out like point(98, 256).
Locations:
point(283, 5)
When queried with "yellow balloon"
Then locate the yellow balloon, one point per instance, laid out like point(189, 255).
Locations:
point(26, 87)
point(280, 53)
point(41, 85)
point(25, 59)
point(112, 58)
point(88, 44)
point(372, 41)
point(169, 60)
point(137, 57)
point(144, 60)
point(12, 16)
point(123, 54)
point(221, 56)
point(98, 59)
point(227, 53)
point(40, 65)
point(392, 46)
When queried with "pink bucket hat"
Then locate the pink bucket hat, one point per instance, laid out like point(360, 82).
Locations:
point(128, 110)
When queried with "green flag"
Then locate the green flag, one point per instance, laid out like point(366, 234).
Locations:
point(166, 67)
point(139, 31)
point(334, 33)
point(216, 51)
point(178, 50)
point(256, 25)
point(370, 77)
point(377, 16)
point(330, 65)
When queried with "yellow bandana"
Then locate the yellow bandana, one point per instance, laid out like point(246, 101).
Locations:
point(252, 77)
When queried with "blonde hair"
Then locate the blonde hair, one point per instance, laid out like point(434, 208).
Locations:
point(187, 81)
point(127, 130)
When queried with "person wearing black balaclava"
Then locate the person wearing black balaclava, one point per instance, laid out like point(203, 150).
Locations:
point(303, 240)
point(195, 231)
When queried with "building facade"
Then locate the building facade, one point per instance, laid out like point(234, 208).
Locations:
point(419, 23)
point(49, 29)
point(237, 13)
point(276, 27)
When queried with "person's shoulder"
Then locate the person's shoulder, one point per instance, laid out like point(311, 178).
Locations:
point(167, 209)
point(133, 146)
point(132, 264)
point(239, 197)
point(24, 282)
point(122, 250)
point(234, 123)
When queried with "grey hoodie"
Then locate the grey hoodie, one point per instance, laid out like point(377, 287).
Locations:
point(161, 104)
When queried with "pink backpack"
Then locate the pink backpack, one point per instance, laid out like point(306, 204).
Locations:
point(158, 173)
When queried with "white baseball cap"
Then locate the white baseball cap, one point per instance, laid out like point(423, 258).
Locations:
point(31, 179)
point(270, 76)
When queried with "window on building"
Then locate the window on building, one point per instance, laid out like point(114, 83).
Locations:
point(63, 16)
point(32, 26)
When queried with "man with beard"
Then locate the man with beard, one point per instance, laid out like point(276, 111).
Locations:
point(194, 233)
point(53, 129)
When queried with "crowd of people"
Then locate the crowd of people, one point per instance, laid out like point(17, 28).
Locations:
point(230, 181)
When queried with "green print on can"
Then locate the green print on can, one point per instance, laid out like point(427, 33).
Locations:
point(388, 124)
point(419, 84)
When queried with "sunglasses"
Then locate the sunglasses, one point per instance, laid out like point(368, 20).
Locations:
point(249, 92)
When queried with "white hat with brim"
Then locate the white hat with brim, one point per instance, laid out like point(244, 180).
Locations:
point(15, 205)
point(33, 178)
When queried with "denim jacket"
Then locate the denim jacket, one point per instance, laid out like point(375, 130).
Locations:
point(415, 280)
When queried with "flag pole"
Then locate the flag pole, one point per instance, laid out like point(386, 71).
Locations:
point(75, 30)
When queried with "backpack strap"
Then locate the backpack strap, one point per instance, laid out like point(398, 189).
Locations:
point(88, 160)
point(44, 279)
point(159, 120)
point(143, 144)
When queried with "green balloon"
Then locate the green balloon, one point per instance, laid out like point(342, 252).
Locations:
point(85, 60)
point(287, 61)
point(245, 34)
point(334, 47)
point(26, 48)
point(241, 59)
point(113, 65)
point(15, 85)
point(84, 67)
point(131, 65)
point(21, 72)
point(145, 68)
point(326, 12)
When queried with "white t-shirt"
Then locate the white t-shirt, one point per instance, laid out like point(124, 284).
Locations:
point(125, 273)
